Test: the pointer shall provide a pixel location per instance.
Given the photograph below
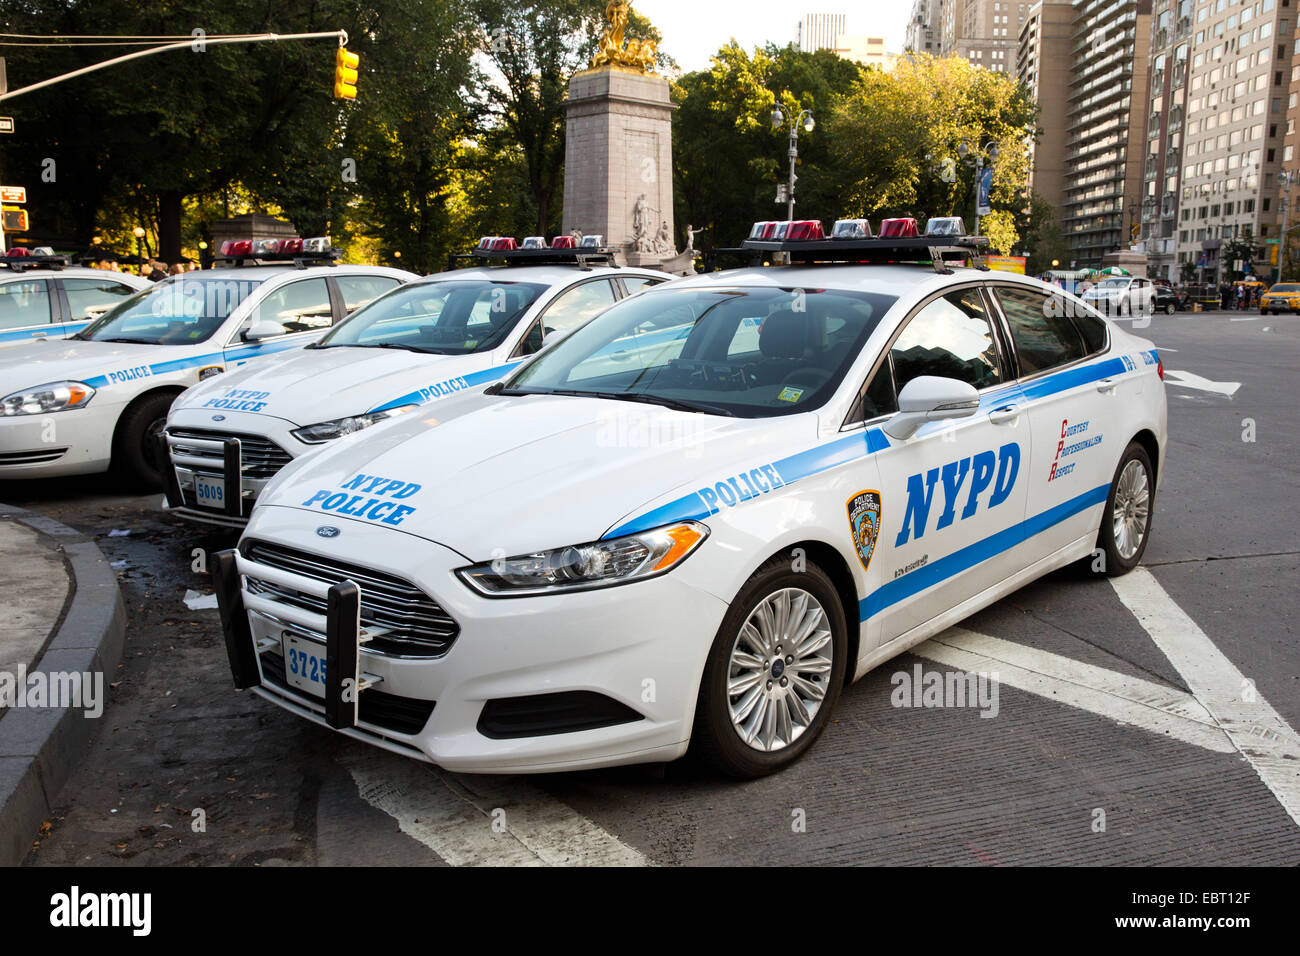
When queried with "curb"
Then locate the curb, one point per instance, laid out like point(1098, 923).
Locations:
point(40, 747)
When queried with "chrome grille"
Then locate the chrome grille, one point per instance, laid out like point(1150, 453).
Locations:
point(404, 620)
point(260, 457)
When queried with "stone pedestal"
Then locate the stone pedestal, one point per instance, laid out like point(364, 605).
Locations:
point(619, 148)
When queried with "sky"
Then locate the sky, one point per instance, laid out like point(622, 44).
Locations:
point(695, 29)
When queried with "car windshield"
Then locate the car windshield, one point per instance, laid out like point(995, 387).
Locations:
point(753, 353)
point(1289, 288)
point(181, 311)
point(451, 317)
point(1113, 284)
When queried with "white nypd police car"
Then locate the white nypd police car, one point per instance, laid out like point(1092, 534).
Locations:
point(419, 344)
point(43, 297)
point(699, 516)
point(97, 400)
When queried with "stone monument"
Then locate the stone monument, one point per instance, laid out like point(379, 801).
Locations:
point(618, 160)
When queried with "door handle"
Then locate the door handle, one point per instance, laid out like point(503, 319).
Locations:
point(1107, 385)
point(1008, 413)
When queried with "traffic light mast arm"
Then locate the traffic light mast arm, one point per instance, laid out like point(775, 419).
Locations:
point(340, 35)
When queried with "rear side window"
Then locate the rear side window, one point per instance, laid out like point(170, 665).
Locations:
point(1044, 334)
point(297, 306)
point(1093, 331)
point(91, 298)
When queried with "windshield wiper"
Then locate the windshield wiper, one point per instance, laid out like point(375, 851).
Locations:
point(128, 341)
point(643, 398)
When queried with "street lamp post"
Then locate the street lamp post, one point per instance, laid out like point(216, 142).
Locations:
point(1285, 178)
point(804, 119)
point(138, 232)
point(989, 153)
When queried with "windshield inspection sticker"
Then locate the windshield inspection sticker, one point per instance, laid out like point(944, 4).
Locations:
point(864, 522)
point(376, 501)
point(791, 395)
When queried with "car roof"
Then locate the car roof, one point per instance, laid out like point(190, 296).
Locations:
point(549, 275)
point(893, 280)
point(70, 272)
point(264, 272)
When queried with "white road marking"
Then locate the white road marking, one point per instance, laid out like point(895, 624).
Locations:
point(1190, 380)
point(453, 815)
point(1254, 727)
point(1127, 700)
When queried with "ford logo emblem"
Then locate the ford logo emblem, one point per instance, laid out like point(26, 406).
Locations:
point(218, 418)
point(328, 532)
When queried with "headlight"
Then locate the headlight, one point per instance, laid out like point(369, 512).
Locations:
point(586, 566)
point(56, 397)
point(328, 431)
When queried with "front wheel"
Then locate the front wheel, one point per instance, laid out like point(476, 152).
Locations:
point(1126, 522)
point(774, 672)
point(135, 451)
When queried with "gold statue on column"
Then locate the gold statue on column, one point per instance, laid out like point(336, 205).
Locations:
point(638, 55)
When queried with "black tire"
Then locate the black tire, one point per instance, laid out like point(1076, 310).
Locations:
point(1170, 308)
point(1117, 561)
point(135, 462)
point(715, 739)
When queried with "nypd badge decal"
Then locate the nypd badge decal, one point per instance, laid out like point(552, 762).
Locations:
point(864, 523)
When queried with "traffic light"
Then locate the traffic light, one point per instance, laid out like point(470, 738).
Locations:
point(15, 219)
point(345, 74)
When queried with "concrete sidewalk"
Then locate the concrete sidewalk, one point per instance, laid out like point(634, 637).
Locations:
point(34, 586)
point(62, 627)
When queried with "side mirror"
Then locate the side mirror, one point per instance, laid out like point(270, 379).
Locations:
point(263, 330)
point(929, 398)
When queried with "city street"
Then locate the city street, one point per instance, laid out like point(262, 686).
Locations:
point(1116, 738)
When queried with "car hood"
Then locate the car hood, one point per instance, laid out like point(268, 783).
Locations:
point(95, 363)
point(319, 385)
point(513, 475)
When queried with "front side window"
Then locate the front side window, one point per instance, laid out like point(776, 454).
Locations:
point(1044, 335)
point(951, 337)
point(362, 290)
point(179, 311)
point(748, 352)
point(295, 307)
point(575, 306)
point(24, 302)
point(452, 317)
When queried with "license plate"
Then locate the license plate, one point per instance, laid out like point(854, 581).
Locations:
point(304, 663)
point(210, 492)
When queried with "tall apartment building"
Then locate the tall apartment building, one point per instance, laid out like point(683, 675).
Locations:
point(820, 31)
point(1105, 121)
point(1169, 78)
point(1043, 65)
point(924, 28)
point(1236, 120)
point(984, 32)
point(1291, 141)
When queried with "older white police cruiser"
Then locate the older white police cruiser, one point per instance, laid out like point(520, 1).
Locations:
point(98, 399)
point(228, 437)
point(43, 296)
point(697, 517)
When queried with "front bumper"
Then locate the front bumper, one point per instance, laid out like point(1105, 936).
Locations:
point(244, 451)
point(76, 442)
point(632, 656)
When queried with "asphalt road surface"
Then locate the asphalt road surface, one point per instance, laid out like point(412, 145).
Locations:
point(1120, 735)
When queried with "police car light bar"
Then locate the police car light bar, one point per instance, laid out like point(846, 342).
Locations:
point(301, 252)
point(563, 250)
point(899, 241)
point(40, 257)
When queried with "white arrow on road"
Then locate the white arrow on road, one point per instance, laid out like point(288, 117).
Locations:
point(1189, 380)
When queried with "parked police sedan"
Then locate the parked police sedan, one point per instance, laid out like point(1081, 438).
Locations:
point(97, 400)
point(226, 438)
point(701, 515)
